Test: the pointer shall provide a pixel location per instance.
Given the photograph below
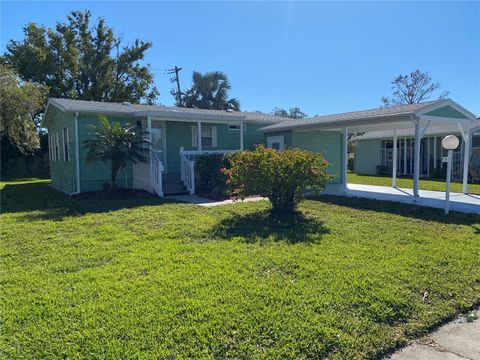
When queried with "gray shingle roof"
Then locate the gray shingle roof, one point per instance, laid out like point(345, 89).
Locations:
point(142, 110)
point(394, 112)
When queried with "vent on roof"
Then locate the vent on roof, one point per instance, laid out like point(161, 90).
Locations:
point(127, 103)
point(229, 110)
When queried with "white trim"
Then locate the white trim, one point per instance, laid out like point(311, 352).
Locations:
point(213, 130)
point(199, 136)
point(77, 153)
point(242, 129)
point(395, 159)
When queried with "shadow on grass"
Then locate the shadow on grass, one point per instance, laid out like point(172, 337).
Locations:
point(262, 226)
point(40, 201)
point(396, 208)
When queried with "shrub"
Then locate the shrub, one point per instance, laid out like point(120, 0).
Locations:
point(208, 175)
point(351, 163)
point(282, 176)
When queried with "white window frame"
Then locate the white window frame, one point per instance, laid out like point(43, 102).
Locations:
point(213, 136)
point(50, 152)
point(276, 139)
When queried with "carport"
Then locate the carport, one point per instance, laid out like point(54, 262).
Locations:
point(415, 117)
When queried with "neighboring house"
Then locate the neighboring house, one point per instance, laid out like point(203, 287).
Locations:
point(178, 135)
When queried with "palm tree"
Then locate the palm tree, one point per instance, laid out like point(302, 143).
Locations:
point(118, 144)
point(209, 91)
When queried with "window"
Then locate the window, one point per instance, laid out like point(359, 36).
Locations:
point(209, 136)
point(237, 127)
point(66, 144)
point(275, 142)
point(50, 147)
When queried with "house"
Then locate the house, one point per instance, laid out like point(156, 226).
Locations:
point(179, 135)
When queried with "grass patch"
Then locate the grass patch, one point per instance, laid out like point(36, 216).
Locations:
point(146, 278)
point(435, 185)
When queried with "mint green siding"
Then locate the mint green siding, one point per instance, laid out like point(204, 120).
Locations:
point(328, 143)
point(368, 155)
point(446, 111)
point(94, 174)
point(62, 172)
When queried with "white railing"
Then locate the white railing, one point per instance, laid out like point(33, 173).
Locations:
point(148, 176)
point(187, 165)
point(157, 170)
point(187, 171)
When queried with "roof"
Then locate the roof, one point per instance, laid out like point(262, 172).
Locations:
point(394, 112)
point(111, 108)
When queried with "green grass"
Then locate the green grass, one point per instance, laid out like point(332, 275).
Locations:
point(143, 278)
point(435, 185)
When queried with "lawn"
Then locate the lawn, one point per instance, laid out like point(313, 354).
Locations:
point(435, 185)
point(143, 278)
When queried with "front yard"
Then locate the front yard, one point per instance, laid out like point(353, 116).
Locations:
point(143, 278)
point(424, 184)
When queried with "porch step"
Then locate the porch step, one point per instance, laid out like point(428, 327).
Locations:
point(174, 188)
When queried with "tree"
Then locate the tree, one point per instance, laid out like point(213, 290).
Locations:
point(209, 91)
point(282, 176)
point(20, 102)
point(294, 113)
point(79, 61)
point(117, 144)
point(412, 88)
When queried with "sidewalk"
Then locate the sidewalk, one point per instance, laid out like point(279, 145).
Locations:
point(457, 340)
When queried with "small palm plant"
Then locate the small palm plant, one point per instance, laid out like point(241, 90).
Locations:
point(117, 144)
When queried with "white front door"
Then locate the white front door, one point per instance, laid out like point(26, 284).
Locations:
point(275, 142)
point(158, 141)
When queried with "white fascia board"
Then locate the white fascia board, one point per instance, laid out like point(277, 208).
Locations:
point(186, 116)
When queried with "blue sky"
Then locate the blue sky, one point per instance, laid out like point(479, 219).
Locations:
point(325, 57)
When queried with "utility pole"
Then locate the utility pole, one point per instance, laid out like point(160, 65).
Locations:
point(176, 79)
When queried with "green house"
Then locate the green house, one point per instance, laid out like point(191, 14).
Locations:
point(179, 135)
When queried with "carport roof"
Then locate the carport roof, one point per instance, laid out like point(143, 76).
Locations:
point(372, 116)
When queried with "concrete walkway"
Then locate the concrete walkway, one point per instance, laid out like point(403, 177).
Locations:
point(467, 203)
point(457, 340)
point(197, 200)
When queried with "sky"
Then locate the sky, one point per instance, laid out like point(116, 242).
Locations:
point(324, 57)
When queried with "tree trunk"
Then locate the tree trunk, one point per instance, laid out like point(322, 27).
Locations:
point(114, 176)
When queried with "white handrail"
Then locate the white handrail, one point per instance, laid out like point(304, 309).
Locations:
point(157, 170)
point(187, 171)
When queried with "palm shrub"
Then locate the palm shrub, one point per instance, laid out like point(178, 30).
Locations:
point(284, 177)
point(117, 144)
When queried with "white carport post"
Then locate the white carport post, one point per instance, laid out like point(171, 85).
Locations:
point(199, 135)
point(150, 162)
point(344, 158)
point(395, 159)
point(241, 136)
point(465, 131)
point(416, 157)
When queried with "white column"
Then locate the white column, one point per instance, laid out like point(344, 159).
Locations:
point(149, 128)
point(395, 159)
point(428, 155)
point(404, 156)
point(241, 136)
point(434, 152)
point(466, 159)
point(199, 135)
point(344, 158)
point(416, 160)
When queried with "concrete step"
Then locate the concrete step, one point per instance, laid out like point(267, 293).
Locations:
point(174, 189)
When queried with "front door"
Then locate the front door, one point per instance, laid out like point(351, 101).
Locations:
point(158, 141)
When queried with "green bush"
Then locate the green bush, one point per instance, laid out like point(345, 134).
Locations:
point(351, 163)
point(208, 175)
point(281, 176)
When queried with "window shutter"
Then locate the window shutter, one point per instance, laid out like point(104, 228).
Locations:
point(194, 136)
point(214, 136)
